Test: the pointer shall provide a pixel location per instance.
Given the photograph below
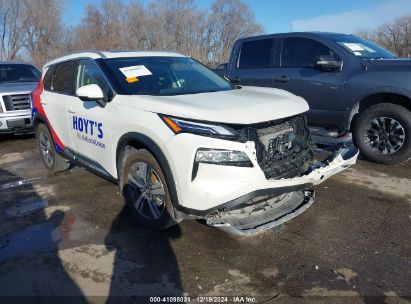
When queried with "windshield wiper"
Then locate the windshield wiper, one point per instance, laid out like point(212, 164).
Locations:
point(381, 58)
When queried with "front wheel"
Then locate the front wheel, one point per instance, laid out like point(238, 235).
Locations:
point(145, 190)
point(383, 133)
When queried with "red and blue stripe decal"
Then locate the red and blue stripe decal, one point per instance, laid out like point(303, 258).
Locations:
point(37, 107)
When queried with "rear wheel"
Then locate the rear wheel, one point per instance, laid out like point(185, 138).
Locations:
point(51, 159)
point(382, 133)
point(145, 190)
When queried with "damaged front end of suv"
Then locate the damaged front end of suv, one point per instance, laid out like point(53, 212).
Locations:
point(184, 143)
point(291, 166)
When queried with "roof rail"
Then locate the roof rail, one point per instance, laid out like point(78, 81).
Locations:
point(89, 51)
point(141, 51)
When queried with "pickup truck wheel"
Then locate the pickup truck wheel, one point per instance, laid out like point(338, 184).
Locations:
point(51, 159)
point(145, 190)
point(383, 133)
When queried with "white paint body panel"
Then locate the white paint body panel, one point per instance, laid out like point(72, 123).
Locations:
point(55, 106)
point(214, 184)
point(243, 106)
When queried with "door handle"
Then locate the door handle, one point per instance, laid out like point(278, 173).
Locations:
point(235, 80)
point(282, 78)
point(71, 109)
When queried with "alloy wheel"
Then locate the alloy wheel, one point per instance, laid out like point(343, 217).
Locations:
point(147, 192)
point(384, 135)
point(45, 149)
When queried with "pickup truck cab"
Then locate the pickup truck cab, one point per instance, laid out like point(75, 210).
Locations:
point(349, 83)
point(17, 81)
point(181, 141)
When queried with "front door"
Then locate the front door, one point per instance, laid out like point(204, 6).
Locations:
point(89, 123)
point(297, 74)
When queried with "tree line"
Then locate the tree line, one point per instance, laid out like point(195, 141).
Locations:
point(35, 30)
point(394, 36)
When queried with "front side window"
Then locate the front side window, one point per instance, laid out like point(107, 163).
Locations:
point(63, 78)
point(255, 54)
point(163, 76)
point(303, 52)
point(18, 73)
point(89, 73)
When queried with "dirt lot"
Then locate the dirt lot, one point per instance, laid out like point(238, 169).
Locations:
point(68, 234)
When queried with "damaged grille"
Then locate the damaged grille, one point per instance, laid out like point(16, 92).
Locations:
point(282, 146)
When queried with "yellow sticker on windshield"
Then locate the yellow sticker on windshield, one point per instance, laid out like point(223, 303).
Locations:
point(132, 79)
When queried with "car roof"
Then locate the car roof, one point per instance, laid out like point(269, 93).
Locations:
point(295, 34)
point(114, 54)
point(13, 62)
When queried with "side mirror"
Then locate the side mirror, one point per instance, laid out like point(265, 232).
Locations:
point(328, 63)
point(91, 92)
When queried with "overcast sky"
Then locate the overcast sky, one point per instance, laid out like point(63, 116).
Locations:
point(346, 16)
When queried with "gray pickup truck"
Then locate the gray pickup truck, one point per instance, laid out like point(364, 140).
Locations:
point(350, 84)
point(17, 81)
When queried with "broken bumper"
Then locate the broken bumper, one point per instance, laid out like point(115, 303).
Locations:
point(263, 215)
point(263, 210)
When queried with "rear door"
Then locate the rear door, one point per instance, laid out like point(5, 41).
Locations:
point(89, 123)
point(254, 64)
point(297, 74)
point(58, 91)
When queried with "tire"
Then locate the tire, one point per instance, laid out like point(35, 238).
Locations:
point(383, 133)
point(145, 190)
point(45, 144)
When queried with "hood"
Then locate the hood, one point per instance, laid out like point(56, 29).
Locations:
point(10, 87)
point(247, 105)
point(396, 62)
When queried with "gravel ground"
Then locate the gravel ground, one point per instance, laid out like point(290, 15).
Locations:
point(68, 234)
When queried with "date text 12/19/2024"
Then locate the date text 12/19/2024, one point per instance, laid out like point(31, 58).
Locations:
point(203, 299)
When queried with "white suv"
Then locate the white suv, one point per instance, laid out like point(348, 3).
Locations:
point(180, 140)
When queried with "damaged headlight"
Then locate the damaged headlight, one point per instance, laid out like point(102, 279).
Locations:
point(223, 157)
point(178, 125)
point(220, 157)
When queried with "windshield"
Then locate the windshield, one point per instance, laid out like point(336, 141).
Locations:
point(362, 48)
point(18, 73)
point(164, 76)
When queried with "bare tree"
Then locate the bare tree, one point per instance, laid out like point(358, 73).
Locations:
point(12, 27)
point(231, 20)
point(179, 25)
point(394, 36)
point(34, 28)
point(169, 22)
point(137, 27)
point(44, 30)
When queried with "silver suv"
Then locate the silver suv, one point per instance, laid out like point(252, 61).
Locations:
point(17, 81)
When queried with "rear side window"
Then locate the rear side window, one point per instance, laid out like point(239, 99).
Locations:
point(47, 80)
point(303, 52)
point(63, 80)
point(256, 54)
